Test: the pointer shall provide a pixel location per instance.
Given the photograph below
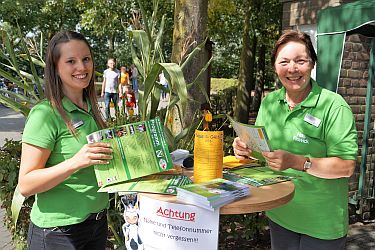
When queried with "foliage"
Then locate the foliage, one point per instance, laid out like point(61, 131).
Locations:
point(149, 59)
point(221, 84)
point(225, 22)
point(30, 84)
point(106, 20)
point(10, 155)
point(37, 17)
point(236, 231)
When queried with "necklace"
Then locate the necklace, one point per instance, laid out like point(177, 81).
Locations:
point(302, 97)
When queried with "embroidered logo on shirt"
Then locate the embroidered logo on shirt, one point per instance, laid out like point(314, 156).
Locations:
point(300, 138)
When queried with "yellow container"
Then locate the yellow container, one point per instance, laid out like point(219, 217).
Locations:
point(208, 155)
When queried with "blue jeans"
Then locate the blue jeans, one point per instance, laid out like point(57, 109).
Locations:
point(90, 234)
point(135, 84)
point(107, 100)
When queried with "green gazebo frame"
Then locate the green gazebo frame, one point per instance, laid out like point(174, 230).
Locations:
point(334, 24)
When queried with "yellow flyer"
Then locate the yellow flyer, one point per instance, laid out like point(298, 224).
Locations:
point(208, 155)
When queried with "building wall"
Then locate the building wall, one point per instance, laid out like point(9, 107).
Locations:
point(352, 83)
point(303, 12)
point(353, 87)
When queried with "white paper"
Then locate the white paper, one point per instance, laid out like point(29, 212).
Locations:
point(165, 225)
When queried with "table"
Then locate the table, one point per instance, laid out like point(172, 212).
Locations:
point(261, 198)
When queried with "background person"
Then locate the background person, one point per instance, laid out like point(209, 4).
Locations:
point(313, 133)
point(163, 82)
point(124, 80)
point(134, 78)
point(56, 161)
point(129, 100)
point(110, 87)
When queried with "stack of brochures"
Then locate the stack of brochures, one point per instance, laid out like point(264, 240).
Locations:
point(256, 176)
point(156, 183)
point(212, 194)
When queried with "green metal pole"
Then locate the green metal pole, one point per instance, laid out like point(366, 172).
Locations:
point(366, 129)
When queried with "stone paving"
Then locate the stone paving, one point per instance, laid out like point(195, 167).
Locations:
point(360, 237)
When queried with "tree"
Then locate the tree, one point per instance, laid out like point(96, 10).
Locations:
point(225, 23)
point(245, 78)
point(190, 29)
point(35, 16)
point(263, 30)
point(108, 19)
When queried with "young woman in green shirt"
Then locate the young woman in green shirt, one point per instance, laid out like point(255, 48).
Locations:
point(56, 161)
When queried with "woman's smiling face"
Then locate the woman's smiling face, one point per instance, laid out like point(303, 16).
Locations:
point(293, 66)
point(75, 66)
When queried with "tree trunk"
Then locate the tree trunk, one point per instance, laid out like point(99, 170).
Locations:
point(190, 29)
point(245, 78)
point(111, 45)
point(259, 85)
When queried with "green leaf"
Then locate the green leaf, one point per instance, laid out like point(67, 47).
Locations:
point(193, 53)
point(143, 44)
point(13, 104)
point(34, 60)
point(36, 79)
point(16, 206)
point(170, 139)
point(10, 50)
point(177, 83)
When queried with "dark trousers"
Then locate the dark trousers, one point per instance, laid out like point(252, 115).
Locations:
point(90, 234)
point(284, 239)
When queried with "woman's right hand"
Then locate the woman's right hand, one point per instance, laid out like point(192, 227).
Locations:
point(241, 151)
point(92, 154)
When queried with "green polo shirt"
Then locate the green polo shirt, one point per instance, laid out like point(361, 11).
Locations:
point(76, 197)
point(321, 126)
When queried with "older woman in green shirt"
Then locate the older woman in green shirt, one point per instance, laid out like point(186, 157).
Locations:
point(313, 134)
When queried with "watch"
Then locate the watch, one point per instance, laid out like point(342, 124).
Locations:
point(307, 164)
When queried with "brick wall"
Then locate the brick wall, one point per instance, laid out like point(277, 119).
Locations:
point(304, 12)
point(353, 87)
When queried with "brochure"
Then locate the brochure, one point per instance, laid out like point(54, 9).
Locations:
point(156, 183)
point(231, 161)
point(139, 149)
point(212, 194)
point(256, 176)
point(255, 138)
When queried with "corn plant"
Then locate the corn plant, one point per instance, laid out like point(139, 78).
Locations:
point(15, 53)
point(148, 58)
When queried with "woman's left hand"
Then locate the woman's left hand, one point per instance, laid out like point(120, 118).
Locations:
point(280, 160)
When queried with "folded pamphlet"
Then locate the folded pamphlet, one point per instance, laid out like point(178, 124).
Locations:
point(139, 149)
point(255, 138)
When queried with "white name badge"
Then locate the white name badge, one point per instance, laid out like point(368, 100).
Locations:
point(312, 120)
point(77, 124)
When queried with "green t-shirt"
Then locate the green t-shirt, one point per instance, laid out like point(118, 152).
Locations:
point(76, 197)
point(321, 126)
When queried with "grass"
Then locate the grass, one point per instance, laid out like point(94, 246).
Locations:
point(219, 84)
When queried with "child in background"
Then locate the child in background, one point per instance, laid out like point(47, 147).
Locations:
point(129, 100)
point(124, 76)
